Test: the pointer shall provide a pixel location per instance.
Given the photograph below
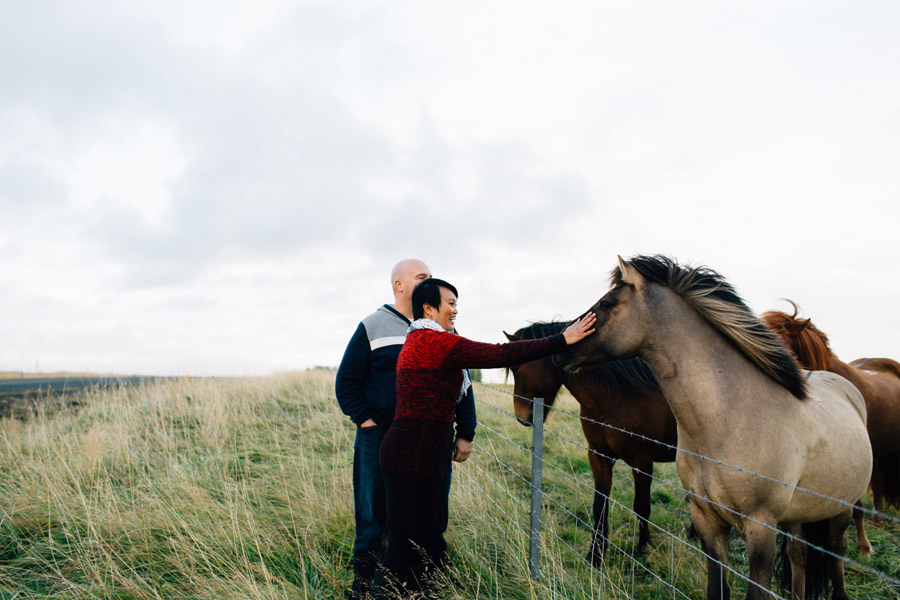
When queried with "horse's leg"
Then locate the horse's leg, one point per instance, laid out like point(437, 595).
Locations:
point(862, 540)
point(797, 555)
point(837, 544)
point(877, 483)
point(642, 472)
point(761, 556)
point(714, 541)
point(602, 470)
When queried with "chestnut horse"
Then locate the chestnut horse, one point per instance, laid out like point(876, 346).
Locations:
point(623, 394)
point(878, 379)
point(798, 438)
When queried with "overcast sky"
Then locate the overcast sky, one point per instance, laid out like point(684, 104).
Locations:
point(221, 188)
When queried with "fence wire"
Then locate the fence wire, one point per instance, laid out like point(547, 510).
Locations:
point(634, 561)
point(508, 468)
point(632, 558)
point(869, 511)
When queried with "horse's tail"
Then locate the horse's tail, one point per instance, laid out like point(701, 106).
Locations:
point(889, 464)
point(818, 564)
point(818, 567)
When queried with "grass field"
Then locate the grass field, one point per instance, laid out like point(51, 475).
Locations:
point(240, 488)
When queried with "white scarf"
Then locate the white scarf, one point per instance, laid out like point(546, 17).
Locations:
point(433, 325)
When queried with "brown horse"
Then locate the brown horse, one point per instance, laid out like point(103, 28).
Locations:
point(623, 394)
point(878, 379)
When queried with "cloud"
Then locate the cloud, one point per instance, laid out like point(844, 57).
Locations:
point(197, 179)
point(173, 159)
point(27, 190)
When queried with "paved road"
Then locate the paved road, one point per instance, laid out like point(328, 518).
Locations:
point(65, 383)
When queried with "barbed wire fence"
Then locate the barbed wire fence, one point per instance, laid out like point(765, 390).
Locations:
point(626, 574)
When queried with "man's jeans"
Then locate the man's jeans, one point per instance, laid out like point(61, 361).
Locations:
point(369, 502)
point(368, 499)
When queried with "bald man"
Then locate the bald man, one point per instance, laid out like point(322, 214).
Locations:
point(366, 392)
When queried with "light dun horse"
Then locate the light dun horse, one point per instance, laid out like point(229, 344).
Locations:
point(621, 394)
point(878, 379)
point(739, 398)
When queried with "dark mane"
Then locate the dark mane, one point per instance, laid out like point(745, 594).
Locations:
point(718, 302)
point(541, 329)
point(628, 377)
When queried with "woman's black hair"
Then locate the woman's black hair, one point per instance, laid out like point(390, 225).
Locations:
point(428, 291)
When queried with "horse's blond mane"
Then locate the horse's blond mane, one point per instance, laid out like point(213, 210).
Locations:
point(718, 302)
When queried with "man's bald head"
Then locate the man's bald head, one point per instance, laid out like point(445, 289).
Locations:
point(404, 277)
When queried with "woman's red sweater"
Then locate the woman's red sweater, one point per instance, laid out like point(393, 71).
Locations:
point(429, 378)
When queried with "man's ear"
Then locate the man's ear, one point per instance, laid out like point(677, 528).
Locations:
point(630, 275)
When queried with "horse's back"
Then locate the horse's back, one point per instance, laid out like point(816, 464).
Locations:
point(879, 381)
point(838, 461)
point(837, 390)
point(878, 365)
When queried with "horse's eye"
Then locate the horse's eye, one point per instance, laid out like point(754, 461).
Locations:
point(606, 304)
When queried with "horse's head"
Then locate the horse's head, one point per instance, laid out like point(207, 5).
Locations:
point(535, 379)
point(621, 327)
point(653, 298)
point(807, 343)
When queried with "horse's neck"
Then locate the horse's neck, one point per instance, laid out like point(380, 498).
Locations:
point(542, 379)
point(594, 401)
point(698, 369)
point(553, 384)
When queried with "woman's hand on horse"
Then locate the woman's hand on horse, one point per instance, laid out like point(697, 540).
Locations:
point(580, 329)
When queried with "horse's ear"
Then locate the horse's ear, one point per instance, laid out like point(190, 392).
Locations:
point(630, 275)
point(510, 336)
point(801, 325)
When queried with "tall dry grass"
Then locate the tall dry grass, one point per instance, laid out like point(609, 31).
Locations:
point(240, 488)
point(188, 489)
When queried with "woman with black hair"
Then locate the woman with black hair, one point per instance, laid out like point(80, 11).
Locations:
point(416, 451)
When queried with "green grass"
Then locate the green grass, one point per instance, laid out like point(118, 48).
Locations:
point(240, 488)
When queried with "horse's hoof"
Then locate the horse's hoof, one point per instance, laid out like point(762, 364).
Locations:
point(864, 550)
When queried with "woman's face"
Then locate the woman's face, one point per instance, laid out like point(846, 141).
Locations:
point(446, 314)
